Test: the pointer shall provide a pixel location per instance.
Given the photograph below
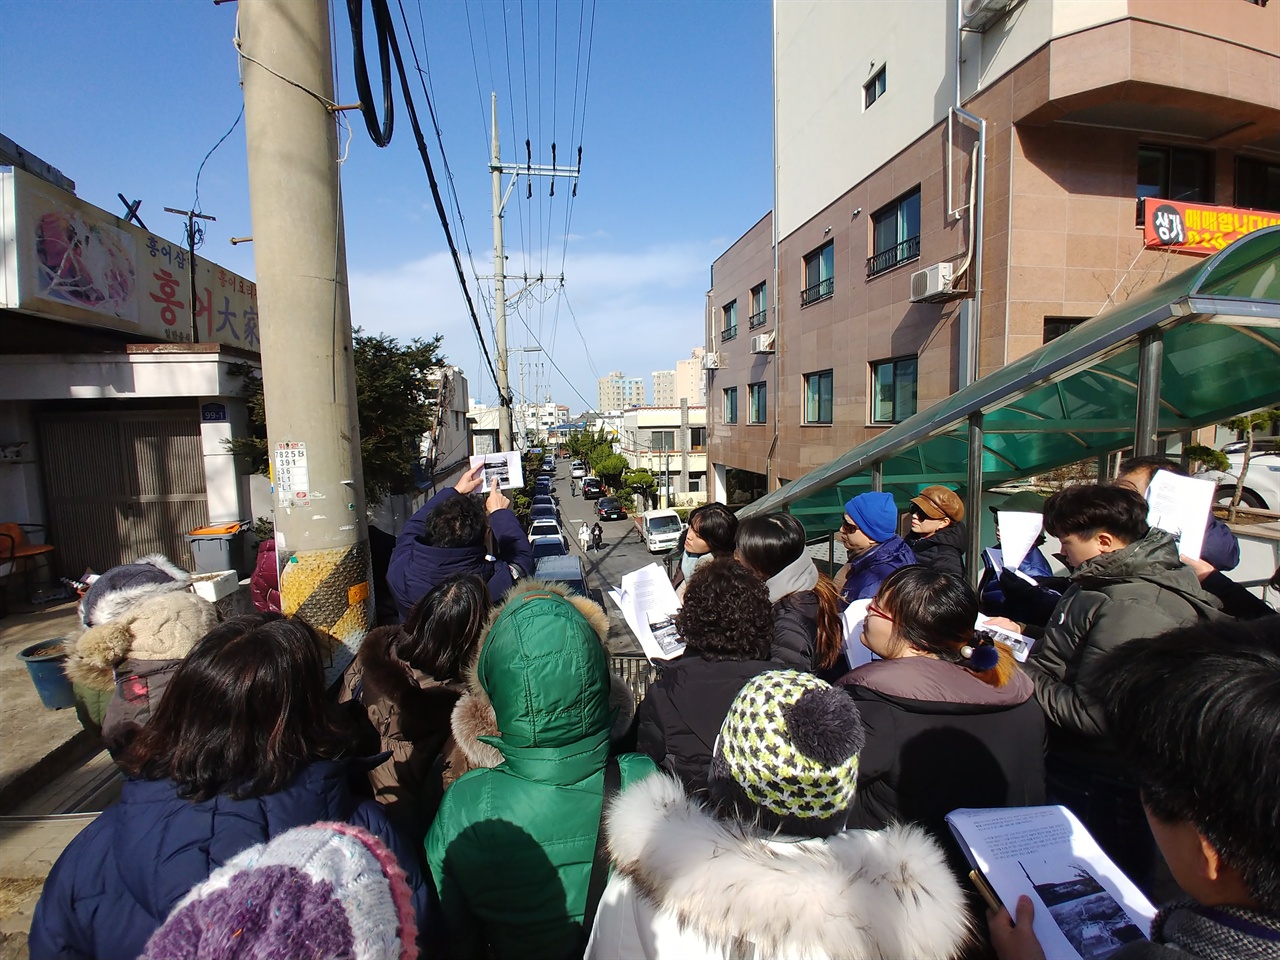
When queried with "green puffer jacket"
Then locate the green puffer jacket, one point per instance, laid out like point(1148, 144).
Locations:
point(1138, 591)
point(512, 845)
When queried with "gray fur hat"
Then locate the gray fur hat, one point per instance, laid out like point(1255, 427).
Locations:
point(119, 589)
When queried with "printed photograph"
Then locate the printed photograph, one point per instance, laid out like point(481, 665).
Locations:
point(1091, 919)
point(665, 633)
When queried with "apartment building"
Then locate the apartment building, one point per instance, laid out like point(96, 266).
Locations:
point(617, 392)
point(670, 442)
point(691, 380)
point(664, 388)
point(1122, 138)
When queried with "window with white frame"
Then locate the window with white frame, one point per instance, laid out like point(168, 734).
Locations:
point(873, 89)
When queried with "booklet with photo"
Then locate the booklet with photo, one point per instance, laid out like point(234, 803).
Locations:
point(505, 467)
point(649, 604)
point(1085, 906)
point(1020, 645)
point(1180, 506)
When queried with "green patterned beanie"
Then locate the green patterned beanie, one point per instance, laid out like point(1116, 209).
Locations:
point(787, 755)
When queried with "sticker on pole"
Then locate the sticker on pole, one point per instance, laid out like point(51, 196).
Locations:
point(292, 480)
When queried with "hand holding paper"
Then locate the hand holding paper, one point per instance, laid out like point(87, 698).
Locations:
point(1180, 506)
point(1018, 534)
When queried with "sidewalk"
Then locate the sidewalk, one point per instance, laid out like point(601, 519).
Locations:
point(34, 742)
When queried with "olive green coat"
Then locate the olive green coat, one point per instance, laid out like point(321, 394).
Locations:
point(512, 846)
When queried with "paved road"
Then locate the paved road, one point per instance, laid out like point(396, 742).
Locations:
point(623, 551)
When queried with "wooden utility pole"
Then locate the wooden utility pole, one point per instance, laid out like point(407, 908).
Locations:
point(308, 371)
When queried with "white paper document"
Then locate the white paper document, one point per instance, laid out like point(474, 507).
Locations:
point(506, 467)
point(649, 604)
point(1180, 506)
point(855, 650)
point(1018, 533)
point(1084, 904)
point(1016, 642)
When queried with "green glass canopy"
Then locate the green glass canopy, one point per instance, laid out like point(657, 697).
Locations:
point(1077, 397)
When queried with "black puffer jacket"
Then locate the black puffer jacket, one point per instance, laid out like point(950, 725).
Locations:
point(1138, 591)
point(944, 551)
point(680, 717)
point(795, 630)
point(939, 738)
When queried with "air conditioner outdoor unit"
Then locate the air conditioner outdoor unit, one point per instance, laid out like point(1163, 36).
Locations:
point(977, 15)
point(762, 343)
point(711, 361)
point(931, 284)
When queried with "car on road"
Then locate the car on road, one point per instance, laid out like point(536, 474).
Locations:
point(1261, 483)
point(592, 488)
point(660, 530)
point(565, 569)
point(577, 470)
point(543, 486)
point(541, 511)
point(608, 508)
point(547, 529)
point(545, 547)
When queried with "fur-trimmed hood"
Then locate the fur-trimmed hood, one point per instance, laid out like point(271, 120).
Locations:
point(858, 894)
point(120, 588)
point(474, 717)
point(414, 705)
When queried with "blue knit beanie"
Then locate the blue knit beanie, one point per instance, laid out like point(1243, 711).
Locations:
point(875, 514)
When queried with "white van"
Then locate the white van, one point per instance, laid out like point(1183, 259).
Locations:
point(661, 530)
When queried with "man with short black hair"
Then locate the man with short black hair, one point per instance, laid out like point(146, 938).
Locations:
point(1195, 715)
point(1126, 582)
point(448, 536)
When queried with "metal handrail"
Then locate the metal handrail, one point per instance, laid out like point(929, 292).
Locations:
point(908, 249)
point(728, 333)
point(819, 291)
point(758, 318)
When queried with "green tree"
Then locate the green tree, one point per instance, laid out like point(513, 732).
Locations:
point(609, 466)
point(396, 404)
point(642, 482)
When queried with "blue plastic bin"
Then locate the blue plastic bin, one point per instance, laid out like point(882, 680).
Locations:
point(44, 661)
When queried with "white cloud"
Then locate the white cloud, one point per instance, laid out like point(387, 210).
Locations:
point(639, 311)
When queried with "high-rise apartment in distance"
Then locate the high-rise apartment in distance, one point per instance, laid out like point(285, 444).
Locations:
point(617, 392)
point(664, 388)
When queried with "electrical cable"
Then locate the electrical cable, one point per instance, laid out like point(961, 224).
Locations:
point(382, 28)
point(195, 204)
point(382, 23)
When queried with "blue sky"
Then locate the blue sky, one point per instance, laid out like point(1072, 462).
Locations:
point(128, 97)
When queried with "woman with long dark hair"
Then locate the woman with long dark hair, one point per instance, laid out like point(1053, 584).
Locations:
point(807, 631)
point(243, 746)
point(408, 679)
point(709, 536)
point(951, 719)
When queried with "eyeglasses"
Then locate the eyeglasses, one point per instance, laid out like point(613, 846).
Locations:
point(873, 609)
point(848, 527)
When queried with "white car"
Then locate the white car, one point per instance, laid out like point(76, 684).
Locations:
point(547, 530)
point(660, 530)
point(1261, 483)
point(577, 470)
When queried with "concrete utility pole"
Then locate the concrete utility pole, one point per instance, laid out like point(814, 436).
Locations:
point(308, 371)
point(500, 197)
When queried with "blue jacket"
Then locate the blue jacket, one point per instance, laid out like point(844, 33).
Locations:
point(1220, 548)
point(867, 571)
point(991, 592)
point(416, 566)
point(119, 878)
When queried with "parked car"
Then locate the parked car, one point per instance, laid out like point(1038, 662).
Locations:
point(592, 488)
point(545, 547)
point(1261, 483)
point(547, 529)
point(541, 511)
point(577, 470)
point(567, 569)
point(660, 530)
point(543, 486)
point(546, 500)
point(608, 508)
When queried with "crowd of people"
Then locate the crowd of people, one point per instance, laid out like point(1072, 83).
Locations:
point(481, 784)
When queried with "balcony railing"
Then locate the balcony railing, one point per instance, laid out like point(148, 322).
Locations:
point(728, 333)
point(819, 291)
point(908, 249)
point(758, 318)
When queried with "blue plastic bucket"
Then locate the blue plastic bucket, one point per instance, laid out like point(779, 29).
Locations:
point(44, 661)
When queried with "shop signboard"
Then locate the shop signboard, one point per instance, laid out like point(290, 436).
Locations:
point(1198, 227)
point(66, 259)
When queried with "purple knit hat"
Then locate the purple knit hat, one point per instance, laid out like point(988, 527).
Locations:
point(313, 893)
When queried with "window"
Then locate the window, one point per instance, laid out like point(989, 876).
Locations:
point(1175, 173)
point(893, 386)
point(1054, 327)
point(729, 321)
point(697, 438)
point(873, 89)
point(759, 402)
point(731, 405)
point(895, 234)
point(759, 307)
point(819, 274)
point(1257, 184)
point(817, 397)
point(660, 440)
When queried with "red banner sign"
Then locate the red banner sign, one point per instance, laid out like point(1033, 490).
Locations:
point(1198, 227)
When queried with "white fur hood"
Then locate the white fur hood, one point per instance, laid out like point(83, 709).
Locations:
point(861, 894)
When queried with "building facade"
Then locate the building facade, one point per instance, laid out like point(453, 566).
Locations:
point(664, 388)
point(691, 380)
point(617, 392)
point(1089, 108)
point(671, 443)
